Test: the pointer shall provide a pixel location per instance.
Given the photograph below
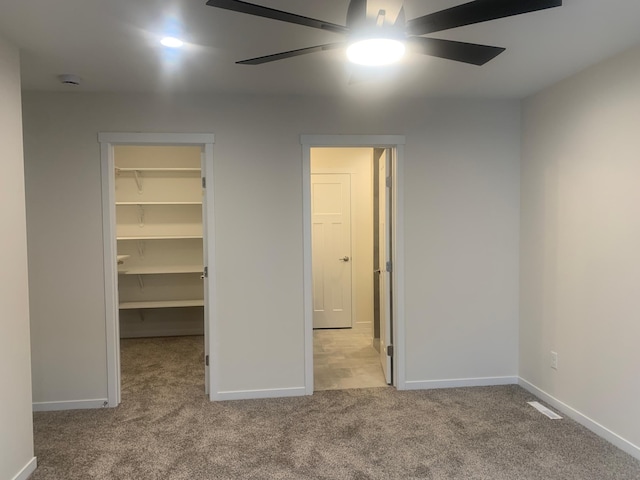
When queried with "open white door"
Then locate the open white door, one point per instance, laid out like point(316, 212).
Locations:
point(331, 250)
point(384, 242)
point(208, 256)
point(205, 272)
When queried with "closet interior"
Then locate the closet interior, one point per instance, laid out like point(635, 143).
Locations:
point(158, 197)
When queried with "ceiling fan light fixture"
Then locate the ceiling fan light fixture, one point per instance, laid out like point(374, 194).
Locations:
point(374, 52)
point(172, 42)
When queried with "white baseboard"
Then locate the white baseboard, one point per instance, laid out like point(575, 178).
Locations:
point(27, 470)
point(459, 382)
point(70, 405)
point(583, 420)
point(253, 394)
point(151, 333)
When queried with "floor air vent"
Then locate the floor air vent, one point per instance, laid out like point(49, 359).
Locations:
point(542, 409)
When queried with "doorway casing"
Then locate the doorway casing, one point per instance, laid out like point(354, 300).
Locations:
point(112, 329)
point(395, 142)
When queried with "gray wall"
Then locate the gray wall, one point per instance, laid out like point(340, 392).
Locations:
point(580, 255)
point(16, 431)
point(461, 228)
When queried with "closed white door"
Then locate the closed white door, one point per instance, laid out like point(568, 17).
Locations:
point(331, 250)
point(384, 242)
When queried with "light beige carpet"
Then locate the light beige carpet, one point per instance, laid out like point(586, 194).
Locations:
point(167, 429)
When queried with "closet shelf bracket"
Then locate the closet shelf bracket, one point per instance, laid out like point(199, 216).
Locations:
point(141, 215)
point(140, 282)
point(141, 247)
point(138, 176)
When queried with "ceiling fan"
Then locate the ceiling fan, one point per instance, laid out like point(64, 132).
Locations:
point(390, 36)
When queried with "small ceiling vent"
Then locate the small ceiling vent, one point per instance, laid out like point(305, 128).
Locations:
point(69, 79)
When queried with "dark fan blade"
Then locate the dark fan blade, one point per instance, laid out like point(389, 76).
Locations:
point(475, 12)
point(458, 51)
point(292, 53)
point(260, 11)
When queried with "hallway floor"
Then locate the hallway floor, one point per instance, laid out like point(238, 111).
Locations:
point(345, 358)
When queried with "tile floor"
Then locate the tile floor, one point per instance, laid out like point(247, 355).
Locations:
point(345, 358)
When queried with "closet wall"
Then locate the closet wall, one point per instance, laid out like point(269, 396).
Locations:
point(159, 237)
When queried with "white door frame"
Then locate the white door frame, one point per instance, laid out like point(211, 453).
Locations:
point(107, 141)
point(397, 252)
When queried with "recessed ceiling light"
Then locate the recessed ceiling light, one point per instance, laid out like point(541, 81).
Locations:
point(376, 51)
point(172, 42)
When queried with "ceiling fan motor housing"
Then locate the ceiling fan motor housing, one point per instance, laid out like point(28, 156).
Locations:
point(361, 26)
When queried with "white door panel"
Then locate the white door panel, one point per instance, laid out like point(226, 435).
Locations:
point(331, 250)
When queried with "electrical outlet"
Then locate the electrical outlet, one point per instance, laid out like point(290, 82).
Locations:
point(554, 360)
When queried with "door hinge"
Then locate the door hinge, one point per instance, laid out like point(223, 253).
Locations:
point(388, 182)
point(389, 266)
point(204, 182)
point(205, 274)
point(390, 350)
point(206, 360)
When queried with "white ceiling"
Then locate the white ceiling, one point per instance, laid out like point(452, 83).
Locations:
point(113, 45)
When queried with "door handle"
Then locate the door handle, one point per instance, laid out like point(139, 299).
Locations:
point(344, 259)
point(378, 271)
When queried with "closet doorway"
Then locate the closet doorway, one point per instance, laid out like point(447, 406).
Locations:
point(353, 292)
point(158, 241)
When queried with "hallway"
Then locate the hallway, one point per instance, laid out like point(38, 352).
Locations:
point(345, 358)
